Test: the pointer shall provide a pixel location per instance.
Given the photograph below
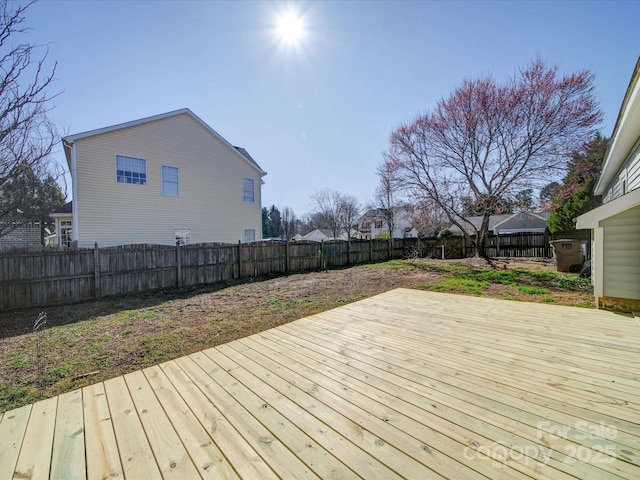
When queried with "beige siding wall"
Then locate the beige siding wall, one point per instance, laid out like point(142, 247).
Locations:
point(621, 259)
point(210, 200)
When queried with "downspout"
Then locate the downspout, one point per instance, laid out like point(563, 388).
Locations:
point(74, 191)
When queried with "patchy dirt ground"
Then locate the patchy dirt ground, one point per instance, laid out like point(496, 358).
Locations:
point(93, 341)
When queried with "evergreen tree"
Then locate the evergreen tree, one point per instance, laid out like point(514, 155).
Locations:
point(575, 196)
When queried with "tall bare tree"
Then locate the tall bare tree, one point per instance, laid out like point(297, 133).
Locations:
point(385, 196)
point(488, 141)
point(27, 136)
point(289, 220)
point(335, 211)
point(326, 206)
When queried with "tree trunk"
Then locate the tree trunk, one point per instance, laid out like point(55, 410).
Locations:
point(481, 237)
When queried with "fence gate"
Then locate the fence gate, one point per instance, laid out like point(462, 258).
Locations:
point(452, 247)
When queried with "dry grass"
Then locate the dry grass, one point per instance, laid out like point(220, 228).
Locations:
point(91, 342)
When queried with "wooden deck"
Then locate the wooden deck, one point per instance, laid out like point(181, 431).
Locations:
point(406, 384)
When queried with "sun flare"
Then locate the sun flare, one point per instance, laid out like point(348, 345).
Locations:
point(290, 28)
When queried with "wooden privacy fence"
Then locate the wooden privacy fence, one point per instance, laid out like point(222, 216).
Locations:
point(55, 275)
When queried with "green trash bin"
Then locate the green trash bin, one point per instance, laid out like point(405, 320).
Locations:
point(567, 254)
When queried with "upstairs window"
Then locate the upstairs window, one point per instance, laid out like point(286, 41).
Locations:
point(378, 224)
point(170, 181)
point(131, 170)
point(249, 193)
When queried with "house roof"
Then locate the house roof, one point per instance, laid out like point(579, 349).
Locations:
point(381, 213)
point(592, 218)
point(476, 221)
point(315, 234)
point(494, 220)
point(66, 209)
point(373, 214)
point(241, 152)
point(625, 133)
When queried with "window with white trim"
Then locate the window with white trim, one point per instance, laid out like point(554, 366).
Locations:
point(131, 170)
point(66, 233)
point(183, 236)
point(170, 181)
point(249, 235)
point(249, 191)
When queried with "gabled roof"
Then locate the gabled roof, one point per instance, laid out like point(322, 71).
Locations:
point(514, 215)
point(494, 221)
point(625, 133)
point(63, 210)
point(476, 221)
point(241, 152)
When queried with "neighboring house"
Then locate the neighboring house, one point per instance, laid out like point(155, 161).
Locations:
point(375, 223)
point(343, 235)
point(63, 218)
point(615, 254)
point(520, 222)
point(165, 179)
point(317, 235)
point(26, 234)
point(322, 235)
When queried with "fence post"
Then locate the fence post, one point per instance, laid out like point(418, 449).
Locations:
point(239, 258)
point(178, 266)
point(96, 271)
point(546, 247)
point(286, 257)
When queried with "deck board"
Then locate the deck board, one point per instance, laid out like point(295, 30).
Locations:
point(406, 384)
point(34, 461)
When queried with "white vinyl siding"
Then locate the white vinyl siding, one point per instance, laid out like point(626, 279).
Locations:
point(621, 255)
point(169, 181)
point(633, 171)
point(112, 213)
point(628, 178)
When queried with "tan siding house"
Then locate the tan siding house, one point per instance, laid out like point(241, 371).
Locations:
point(616, 224)
point(161, 180)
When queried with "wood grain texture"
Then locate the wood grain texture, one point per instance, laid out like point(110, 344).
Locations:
point(407, 384)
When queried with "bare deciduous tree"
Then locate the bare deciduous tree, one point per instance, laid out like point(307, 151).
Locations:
point(335, 211)
point(384, 197)
point(27, 136)
point(349, 213)
point(325, 206)
point(289, 220)
point(489, 141)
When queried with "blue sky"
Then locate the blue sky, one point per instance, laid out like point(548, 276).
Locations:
point(317, 114)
